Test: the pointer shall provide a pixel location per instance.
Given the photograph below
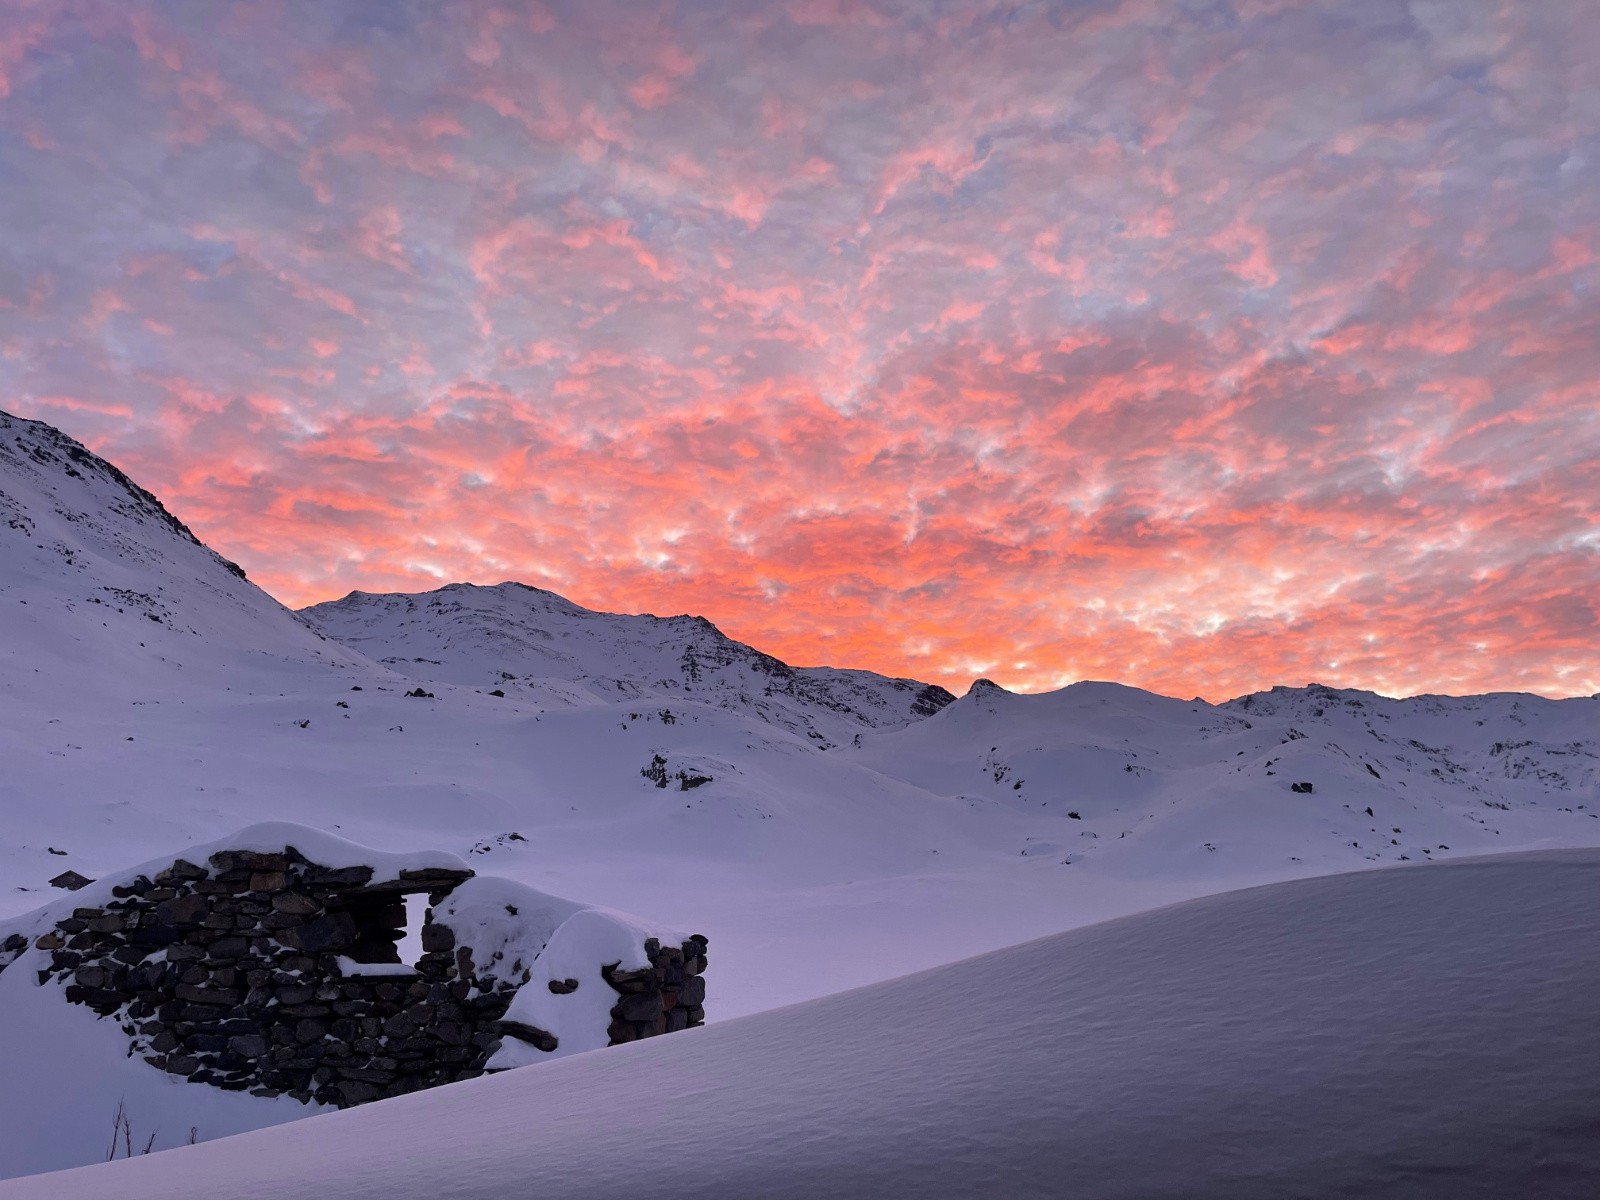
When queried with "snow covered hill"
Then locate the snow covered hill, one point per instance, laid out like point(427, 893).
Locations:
point(1148, 785)
point(541, 647)
point(1424, 1032)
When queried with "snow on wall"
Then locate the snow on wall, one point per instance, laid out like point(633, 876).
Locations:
point(267, 963)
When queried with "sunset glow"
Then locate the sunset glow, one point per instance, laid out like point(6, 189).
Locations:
point(1199, 346)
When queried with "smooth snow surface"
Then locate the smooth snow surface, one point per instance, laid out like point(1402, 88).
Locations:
point(1416, 1032)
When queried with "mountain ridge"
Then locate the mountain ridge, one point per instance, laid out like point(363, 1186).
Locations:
point(515, 636)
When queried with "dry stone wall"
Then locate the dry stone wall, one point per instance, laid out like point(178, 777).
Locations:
point(268, 973)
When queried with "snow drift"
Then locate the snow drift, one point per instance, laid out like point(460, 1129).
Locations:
point(1416, 1032)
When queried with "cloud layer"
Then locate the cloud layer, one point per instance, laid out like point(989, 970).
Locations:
point(1200, 346)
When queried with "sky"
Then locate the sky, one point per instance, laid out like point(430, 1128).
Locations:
point(1198, 345)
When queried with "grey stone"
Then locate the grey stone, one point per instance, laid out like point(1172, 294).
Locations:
point(538, 1038)
point(185, 910)
point(629, 982)
point(249, 860)
point(309, 1030)
point(338, 876)
point(201, 994)
point(355, 1092)
point(154, 935)
point(437, 939)
point(430, 878)
point(296, 904)
point(228, 948)
point(646, 1007)
point(336, 931)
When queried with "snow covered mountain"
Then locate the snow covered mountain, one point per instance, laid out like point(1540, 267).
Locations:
point(98, 581)
point(542, 647)
point(1104, 774)
point(1425, 1034)
point(826, 829)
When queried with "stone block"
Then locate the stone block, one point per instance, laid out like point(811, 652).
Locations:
point(334, 932)
point(309, 1030)
point(154, 935)
point(221, 997)
point(337, 877)
point(249, 860)
point(226, 948)
point(437, 939)
point(538, 1038)
point(640, 1007)
point(296, 904)
point(249, 1045)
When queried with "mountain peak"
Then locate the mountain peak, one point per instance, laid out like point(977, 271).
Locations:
point(513, 636)
point(94, 569)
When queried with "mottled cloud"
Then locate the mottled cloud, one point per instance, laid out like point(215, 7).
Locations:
point(1200, 346)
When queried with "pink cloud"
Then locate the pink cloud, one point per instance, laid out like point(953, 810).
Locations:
point(1109, 343)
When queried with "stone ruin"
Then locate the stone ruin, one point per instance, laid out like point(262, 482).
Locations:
point(268, 972)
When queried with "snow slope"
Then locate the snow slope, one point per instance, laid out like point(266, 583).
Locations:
point(540, 646)
point(1416, 1032)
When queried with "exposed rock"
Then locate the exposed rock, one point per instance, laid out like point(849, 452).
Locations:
point(336, 931)
point(437, 938)
point(534, 1036)
point(231, 976)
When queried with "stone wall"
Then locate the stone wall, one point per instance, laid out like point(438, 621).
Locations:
point(268, 973)
point(664, 997)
